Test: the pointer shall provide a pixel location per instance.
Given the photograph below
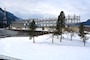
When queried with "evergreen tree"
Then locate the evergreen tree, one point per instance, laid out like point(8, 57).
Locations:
point(60, 24)
point(81, 33)
point(32, 30)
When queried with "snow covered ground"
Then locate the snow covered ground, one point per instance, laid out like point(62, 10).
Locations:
point(43, 49)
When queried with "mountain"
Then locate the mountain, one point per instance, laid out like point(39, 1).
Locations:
point(87, 22)
point(9, 16)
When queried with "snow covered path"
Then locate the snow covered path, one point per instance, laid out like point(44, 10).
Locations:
point(23, 48)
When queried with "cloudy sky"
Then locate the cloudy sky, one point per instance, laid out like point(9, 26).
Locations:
point(47, 8)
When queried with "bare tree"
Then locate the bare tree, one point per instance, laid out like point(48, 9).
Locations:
point(72, 34)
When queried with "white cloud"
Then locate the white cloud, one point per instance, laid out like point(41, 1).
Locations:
point(44, 8)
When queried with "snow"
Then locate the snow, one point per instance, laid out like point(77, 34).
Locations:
point(43, 48)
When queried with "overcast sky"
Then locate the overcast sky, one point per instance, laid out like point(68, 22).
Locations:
point(47, 8)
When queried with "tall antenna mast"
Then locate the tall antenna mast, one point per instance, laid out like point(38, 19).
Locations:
point(4, 18)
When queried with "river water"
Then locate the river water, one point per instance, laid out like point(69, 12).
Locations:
point(7, 33)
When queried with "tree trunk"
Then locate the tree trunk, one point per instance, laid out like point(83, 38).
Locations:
point(71, 37)
point(61, 38)
point(84, 41)
point(52, 38)
point(33, 40)
point(57, 36)
point(61, 35)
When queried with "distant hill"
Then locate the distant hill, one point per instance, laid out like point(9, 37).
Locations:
point(87, 22)
point(10, 17)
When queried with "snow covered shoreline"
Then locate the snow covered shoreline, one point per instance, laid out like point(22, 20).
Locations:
point(23, 48)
